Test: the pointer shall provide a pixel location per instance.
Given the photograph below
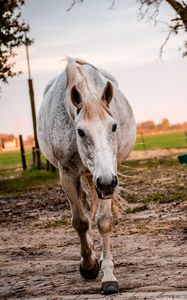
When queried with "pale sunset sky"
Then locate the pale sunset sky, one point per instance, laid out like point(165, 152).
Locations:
point(111, 39)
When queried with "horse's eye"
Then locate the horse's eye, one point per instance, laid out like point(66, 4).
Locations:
point(114, 127)
point(80, 132)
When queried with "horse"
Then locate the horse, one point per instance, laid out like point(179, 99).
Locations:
point(86, 128)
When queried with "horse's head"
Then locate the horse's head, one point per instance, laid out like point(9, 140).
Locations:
point(96, 133)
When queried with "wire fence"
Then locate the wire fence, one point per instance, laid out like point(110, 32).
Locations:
point(162, 140)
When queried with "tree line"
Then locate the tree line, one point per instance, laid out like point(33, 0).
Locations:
point(165, 125)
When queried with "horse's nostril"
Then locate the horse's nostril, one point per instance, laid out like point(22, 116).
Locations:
point(106, 185)
point(114, 181)
point(99, 184)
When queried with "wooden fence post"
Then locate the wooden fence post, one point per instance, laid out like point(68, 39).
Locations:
point(50, 167)
point(24, 165)
point(143, 141)
point(37, 148)
point(33, 157)
point(53, 169)
point(185, 134)
point(47, 165)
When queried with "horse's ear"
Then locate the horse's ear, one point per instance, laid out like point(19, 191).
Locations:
point(107, 93)
point(76, 97)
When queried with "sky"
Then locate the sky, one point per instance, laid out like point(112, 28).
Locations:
point(113, 39)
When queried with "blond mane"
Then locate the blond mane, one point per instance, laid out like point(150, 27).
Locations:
point(92, 104)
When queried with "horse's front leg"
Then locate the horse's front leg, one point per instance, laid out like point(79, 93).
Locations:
point(104, 223)
point(81, 221)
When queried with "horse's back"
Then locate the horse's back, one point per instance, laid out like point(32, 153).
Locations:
point(52, 97)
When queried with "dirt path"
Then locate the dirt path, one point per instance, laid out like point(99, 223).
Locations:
point(158, 153)
point(39, 251)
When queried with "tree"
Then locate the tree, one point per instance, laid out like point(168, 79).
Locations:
point(165, 124)
point(12, 35)
point(150, 9)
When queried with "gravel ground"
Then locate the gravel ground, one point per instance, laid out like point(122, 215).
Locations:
point(39, 250)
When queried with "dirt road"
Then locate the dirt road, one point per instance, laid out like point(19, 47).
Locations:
point(39, 250)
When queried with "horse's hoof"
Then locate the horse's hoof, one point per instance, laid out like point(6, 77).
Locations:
point(90, 273)
point(110, 287)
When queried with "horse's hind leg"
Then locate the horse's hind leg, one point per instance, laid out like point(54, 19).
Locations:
point(89, 266)
point(104, 223)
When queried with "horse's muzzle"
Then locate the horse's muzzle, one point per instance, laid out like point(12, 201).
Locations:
point(105, 189)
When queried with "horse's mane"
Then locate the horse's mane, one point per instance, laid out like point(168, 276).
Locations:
point(77, 75)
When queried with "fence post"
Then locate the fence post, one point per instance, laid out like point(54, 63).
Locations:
point(47, 165)
point(53, 169)
point(185, 134)
point(33, 157)
point(24, 165)
point(143, 141)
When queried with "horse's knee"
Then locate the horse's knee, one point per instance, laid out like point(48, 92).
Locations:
point(80, 224)
point(104, 223)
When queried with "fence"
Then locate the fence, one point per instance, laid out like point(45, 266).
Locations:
point(161, 140)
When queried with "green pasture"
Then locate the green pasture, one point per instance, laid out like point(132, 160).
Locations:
point(12, 159)
point(162, 140)
point(18, 182)
point(13, 180)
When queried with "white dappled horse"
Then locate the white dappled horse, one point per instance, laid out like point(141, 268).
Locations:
point(86, 128)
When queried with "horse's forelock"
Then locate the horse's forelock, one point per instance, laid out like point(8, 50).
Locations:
point(93, 109)
point(75, 70)
point(78, 76)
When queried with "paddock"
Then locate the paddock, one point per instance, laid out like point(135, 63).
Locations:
point(40, 252)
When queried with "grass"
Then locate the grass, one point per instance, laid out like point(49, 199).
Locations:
point(56, 223)
point(149, 163)
point(24, 181)
point(131, 198)
point(136, 209)
point(161, 198)
point(12, 159)
point(161, 140)
point(14, 181)
point(174, 196)
point(53, 224)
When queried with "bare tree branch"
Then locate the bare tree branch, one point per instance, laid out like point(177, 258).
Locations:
point(113, 2)
point(165, 42)
point(149, 10)
point(73, 3)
